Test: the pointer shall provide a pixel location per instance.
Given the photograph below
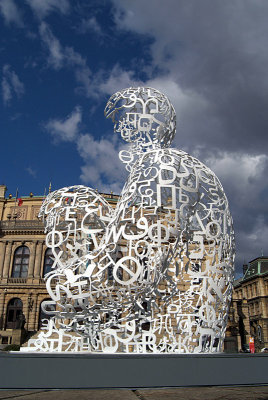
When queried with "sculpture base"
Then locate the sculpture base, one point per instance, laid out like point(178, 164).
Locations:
point(85, 371)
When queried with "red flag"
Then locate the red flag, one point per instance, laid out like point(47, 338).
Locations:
point(20, 202)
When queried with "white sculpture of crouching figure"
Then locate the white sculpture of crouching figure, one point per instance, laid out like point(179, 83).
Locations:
point(155, 273)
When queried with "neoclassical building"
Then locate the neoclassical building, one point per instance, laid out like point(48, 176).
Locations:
point(249, 311)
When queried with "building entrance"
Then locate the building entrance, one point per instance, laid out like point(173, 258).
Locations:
point(14, 314)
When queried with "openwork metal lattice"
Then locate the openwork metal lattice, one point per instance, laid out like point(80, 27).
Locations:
point(154, 274)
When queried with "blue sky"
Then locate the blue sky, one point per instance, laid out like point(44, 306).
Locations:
point(61, 60)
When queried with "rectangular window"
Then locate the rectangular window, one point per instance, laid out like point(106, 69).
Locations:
point(5, 340)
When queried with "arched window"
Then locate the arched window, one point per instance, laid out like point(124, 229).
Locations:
point(42, 314)
point(48, 261)
point(15, 318)
point(21, 262)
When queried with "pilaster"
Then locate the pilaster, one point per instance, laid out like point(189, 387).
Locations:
point(7, 259)
point(38, 259)
point(2, 257)
point(32, 259)
point(2, 309)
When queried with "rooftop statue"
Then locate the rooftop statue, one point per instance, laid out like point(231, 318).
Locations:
point(154, 274)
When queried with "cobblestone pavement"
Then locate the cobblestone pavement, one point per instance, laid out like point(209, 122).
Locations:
point(200, 393)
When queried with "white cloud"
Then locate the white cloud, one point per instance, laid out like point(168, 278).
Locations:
point(243, 174)
point(17, 85)
point(31, 171)
point(191, 109)
point(90, 24)
point(83, 77)
point(62, 57)
point(6, 91)
point(117, 79)
point(56, 56)
point(11, 84)
point(102, 168)
point(66, 129)
point(16, 116)
point(245, 181)
point(44, 7)
point(11, 12)
point(102, 83)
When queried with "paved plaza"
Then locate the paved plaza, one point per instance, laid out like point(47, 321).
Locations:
point(197, 393)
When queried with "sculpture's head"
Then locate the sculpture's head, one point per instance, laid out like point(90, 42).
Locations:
point(143, 116)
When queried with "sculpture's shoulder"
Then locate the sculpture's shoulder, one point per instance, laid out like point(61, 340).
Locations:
point(171, 159)
point(189, 166)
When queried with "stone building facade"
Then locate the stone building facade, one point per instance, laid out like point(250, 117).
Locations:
point(249, 311)
point(22, 254)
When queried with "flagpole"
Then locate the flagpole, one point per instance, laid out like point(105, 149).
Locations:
point(17, 191)
point(15, 206)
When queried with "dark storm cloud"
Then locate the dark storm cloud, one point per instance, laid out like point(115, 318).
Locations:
point(218, 49)
point(213, 59)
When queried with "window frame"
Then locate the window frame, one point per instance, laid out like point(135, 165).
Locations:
point(23, 266)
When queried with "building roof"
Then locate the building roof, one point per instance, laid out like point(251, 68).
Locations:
point(256, 267)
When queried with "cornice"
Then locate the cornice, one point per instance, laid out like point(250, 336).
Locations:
point(21, 227)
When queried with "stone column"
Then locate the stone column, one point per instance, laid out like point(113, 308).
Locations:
point(7, 259)
point(245, 311)
point(32, 260)
point(2, 309)
point(27, 311)
point(38, 260)
point(2, 257)
point(34, 325)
